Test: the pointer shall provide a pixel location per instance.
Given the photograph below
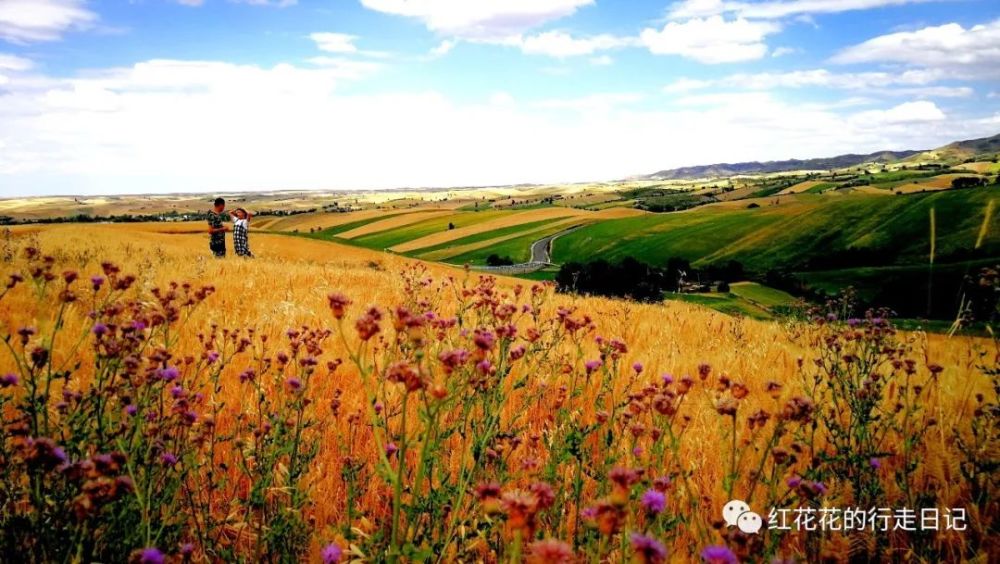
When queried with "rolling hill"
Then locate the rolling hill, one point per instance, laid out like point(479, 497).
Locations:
point(953, 152)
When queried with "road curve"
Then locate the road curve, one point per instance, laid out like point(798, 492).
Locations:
point(541, 251)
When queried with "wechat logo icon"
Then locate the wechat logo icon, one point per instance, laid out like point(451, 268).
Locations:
point(737, 513)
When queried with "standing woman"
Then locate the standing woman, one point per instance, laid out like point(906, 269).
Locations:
point(241, 233)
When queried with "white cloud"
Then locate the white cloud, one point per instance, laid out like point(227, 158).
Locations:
point(14, 63)
point(602, 61)
point(711, 40)
point(24, 21)
point(479, 19)
point(908, 113)
point(163, 126)
point(334, 42)
point(782, 51)
point(972, 52)
point(911, 83)
point(685, 84)
point(775, 9)
point(561, 45)
point(443, 48)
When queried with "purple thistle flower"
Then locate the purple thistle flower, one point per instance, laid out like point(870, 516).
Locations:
point(592, 365)
point(667, 379)
point(294, 384)
point(391, 449)
point(168, 459)
point(99, 329)
point(718, 554)
point(212, 357)
point(177, 392)
point(169, 374)
point(650, 549)
point(875, 463)
point(8, 380)
point(637, 367)
point(653, 502)
point(186, 549)
point(820, 488)
point(138, 325)
point(131, 410)
point(331, 553)
point(151, 555)
point(97, 282)
point(793, 482)
point(247, 375)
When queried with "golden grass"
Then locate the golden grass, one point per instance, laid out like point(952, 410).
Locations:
point(801, 187)
point(288, 284)
point(510, 220)
point(982, 167)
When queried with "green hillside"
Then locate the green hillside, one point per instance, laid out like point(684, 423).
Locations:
point(798, 234)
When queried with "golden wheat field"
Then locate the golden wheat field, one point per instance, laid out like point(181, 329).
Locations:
point(288, 284)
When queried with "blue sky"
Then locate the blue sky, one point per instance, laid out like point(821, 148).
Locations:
point(102, 97)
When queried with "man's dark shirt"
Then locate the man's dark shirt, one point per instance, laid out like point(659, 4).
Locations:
point(217, 241)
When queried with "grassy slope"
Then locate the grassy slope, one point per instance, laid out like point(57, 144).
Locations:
point(788, 234)
point(762, 295)
point(518, 248)
point(485, 236)
point(392, 237)
point(331, 232)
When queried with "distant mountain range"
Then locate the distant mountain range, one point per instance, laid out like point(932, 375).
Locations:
point(956, 151)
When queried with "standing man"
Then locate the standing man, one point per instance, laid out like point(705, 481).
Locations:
point(217, 231)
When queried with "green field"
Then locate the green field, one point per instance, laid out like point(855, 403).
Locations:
point(392, 237)
point(761, 295)
point(518, 248)
point(788, 236)
point(484, 236)
point(332, 232)
point(729, 304)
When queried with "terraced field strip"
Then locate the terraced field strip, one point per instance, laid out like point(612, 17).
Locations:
point(517, 248)
point(982, 167)
point(942, 182)
point(481, 240)
point(305, 222)
point(494, 226)
point(389, 238)
point(394, 221)
point(787, 236)
point(805, 186)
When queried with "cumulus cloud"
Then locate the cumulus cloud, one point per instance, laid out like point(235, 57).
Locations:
point(560, 44)
point(711, 40)
point(443, 48)
point(14, 63)
point(288, 126)
point(479, 19)
point(972, 52)
point(25, 21)
point(916, 82)
point(775, 9)
point(334, 42)
point(908, 113)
